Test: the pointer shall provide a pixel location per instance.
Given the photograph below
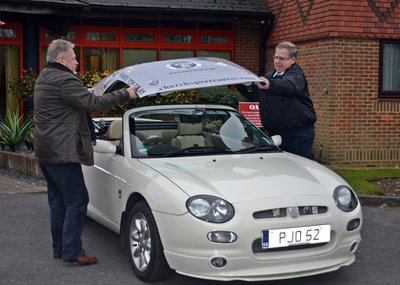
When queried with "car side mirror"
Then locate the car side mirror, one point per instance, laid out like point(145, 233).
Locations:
point(277, 139)
point(103, 146)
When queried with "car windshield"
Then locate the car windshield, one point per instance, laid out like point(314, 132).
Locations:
point(194, 131)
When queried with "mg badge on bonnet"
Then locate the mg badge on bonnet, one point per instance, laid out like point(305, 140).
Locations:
point(293, 211)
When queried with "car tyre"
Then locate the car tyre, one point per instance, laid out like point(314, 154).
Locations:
point(146, 253)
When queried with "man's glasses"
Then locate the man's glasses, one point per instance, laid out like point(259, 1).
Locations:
point(279, 58)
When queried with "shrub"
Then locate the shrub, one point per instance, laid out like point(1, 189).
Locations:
point(214, 95)
point(90, 78)
point(22, 87)
point(220, 95)
point(178, 97)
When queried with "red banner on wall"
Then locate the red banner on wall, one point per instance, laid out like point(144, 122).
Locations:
point(251, 111)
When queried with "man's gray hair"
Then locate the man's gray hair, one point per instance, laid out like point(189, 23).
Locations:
point(291, 47)
point(58, 48)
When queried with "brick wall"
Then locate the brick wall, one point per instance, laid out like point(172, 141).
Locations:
point(20, 162)
point(247, 46)
point(354, 127)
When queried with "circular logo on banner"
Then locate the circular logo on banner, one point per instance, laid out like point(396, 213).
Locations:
point(154, 82)
point(183, 65)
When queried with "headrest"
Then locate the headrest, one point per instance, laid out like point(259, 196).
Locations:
point(185, 129)
point(114, 131)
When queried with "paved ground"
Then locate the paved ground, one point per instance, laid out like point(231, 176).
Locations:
point(10, 185)
point(26, 255)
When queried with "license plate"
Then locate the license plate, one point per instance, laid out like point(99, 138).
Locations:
point(296, 236)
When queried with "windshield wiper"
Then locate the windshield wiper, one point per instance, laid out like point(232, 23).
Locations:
point(197, 150)
point(256, 148)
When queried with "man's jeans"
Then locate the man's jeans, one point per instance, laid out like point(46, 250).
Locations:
point(68, 199)
point(299, 145)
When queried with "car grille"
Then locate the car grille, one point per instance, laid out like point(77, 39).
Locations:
point(282, 212)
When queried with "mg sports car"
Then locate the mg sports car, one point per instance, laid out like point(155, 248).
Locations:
point(199, 190)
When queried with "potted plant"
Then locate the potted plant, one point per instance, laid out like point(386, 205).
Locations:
point(22, 87)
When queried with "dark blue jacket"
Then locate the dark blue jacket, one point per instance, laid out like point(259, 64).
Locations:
point(286, 108)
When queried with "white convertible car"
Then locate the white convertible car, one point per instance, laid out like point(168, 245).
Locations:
point(199, 190)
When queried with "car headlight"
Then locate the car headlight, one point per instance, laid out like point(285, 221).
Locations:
point(210, 209)
point(345, 198)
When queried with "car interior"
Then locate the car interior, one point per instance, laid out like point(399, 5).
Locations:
point(185, 132)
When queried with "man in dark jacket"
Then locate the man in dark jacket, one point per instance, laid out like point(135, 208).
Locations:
point(286, 108)
point(63, 142)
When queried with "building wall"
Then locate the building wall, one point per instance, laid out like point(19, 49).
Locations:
point(338, 45)
point(247, 46)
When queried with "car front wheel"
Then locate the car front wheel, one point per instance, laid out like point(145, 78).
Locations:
point(146, 253)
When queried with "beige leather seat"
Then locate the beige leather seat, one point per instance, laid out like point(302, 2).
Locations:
point(114, 132)
point(189, 135)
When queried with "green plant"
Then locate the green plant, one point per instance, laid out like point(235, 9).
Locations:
point(213, 95)
point(22, 87)
point(29, 139)
point(362, 180)
point(221, 95)
point(180, 97)
point(14, 129)
point(90, 78)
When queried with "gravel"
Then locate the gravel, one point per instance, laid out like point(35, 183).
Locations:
point(390, 186)
point(23, 177)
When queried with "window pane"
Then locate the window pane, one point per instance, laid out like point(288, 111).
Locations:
point(391, 67)
point(215, 53)
point(71, 36)
point(136, 56)
point(173, 54)
point(8, 33)
point(100, 59)
point(214, 39)
point(138, 37)
point(176, 38)
point(98, 36)
point(9, 68)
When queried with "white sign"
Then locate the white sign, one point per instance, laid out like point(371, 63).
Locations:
point(163, 77)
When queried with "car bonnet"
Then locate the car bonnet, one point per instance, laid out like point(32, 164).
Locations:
point(164, 77)
point(247, 177)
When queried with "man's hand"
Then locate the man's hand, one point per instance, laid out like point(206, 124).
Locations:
point(132, 91)
point(264, 84)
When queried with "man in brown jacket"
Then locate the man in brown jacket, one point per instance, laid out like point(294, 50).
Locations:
point(63, 142)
